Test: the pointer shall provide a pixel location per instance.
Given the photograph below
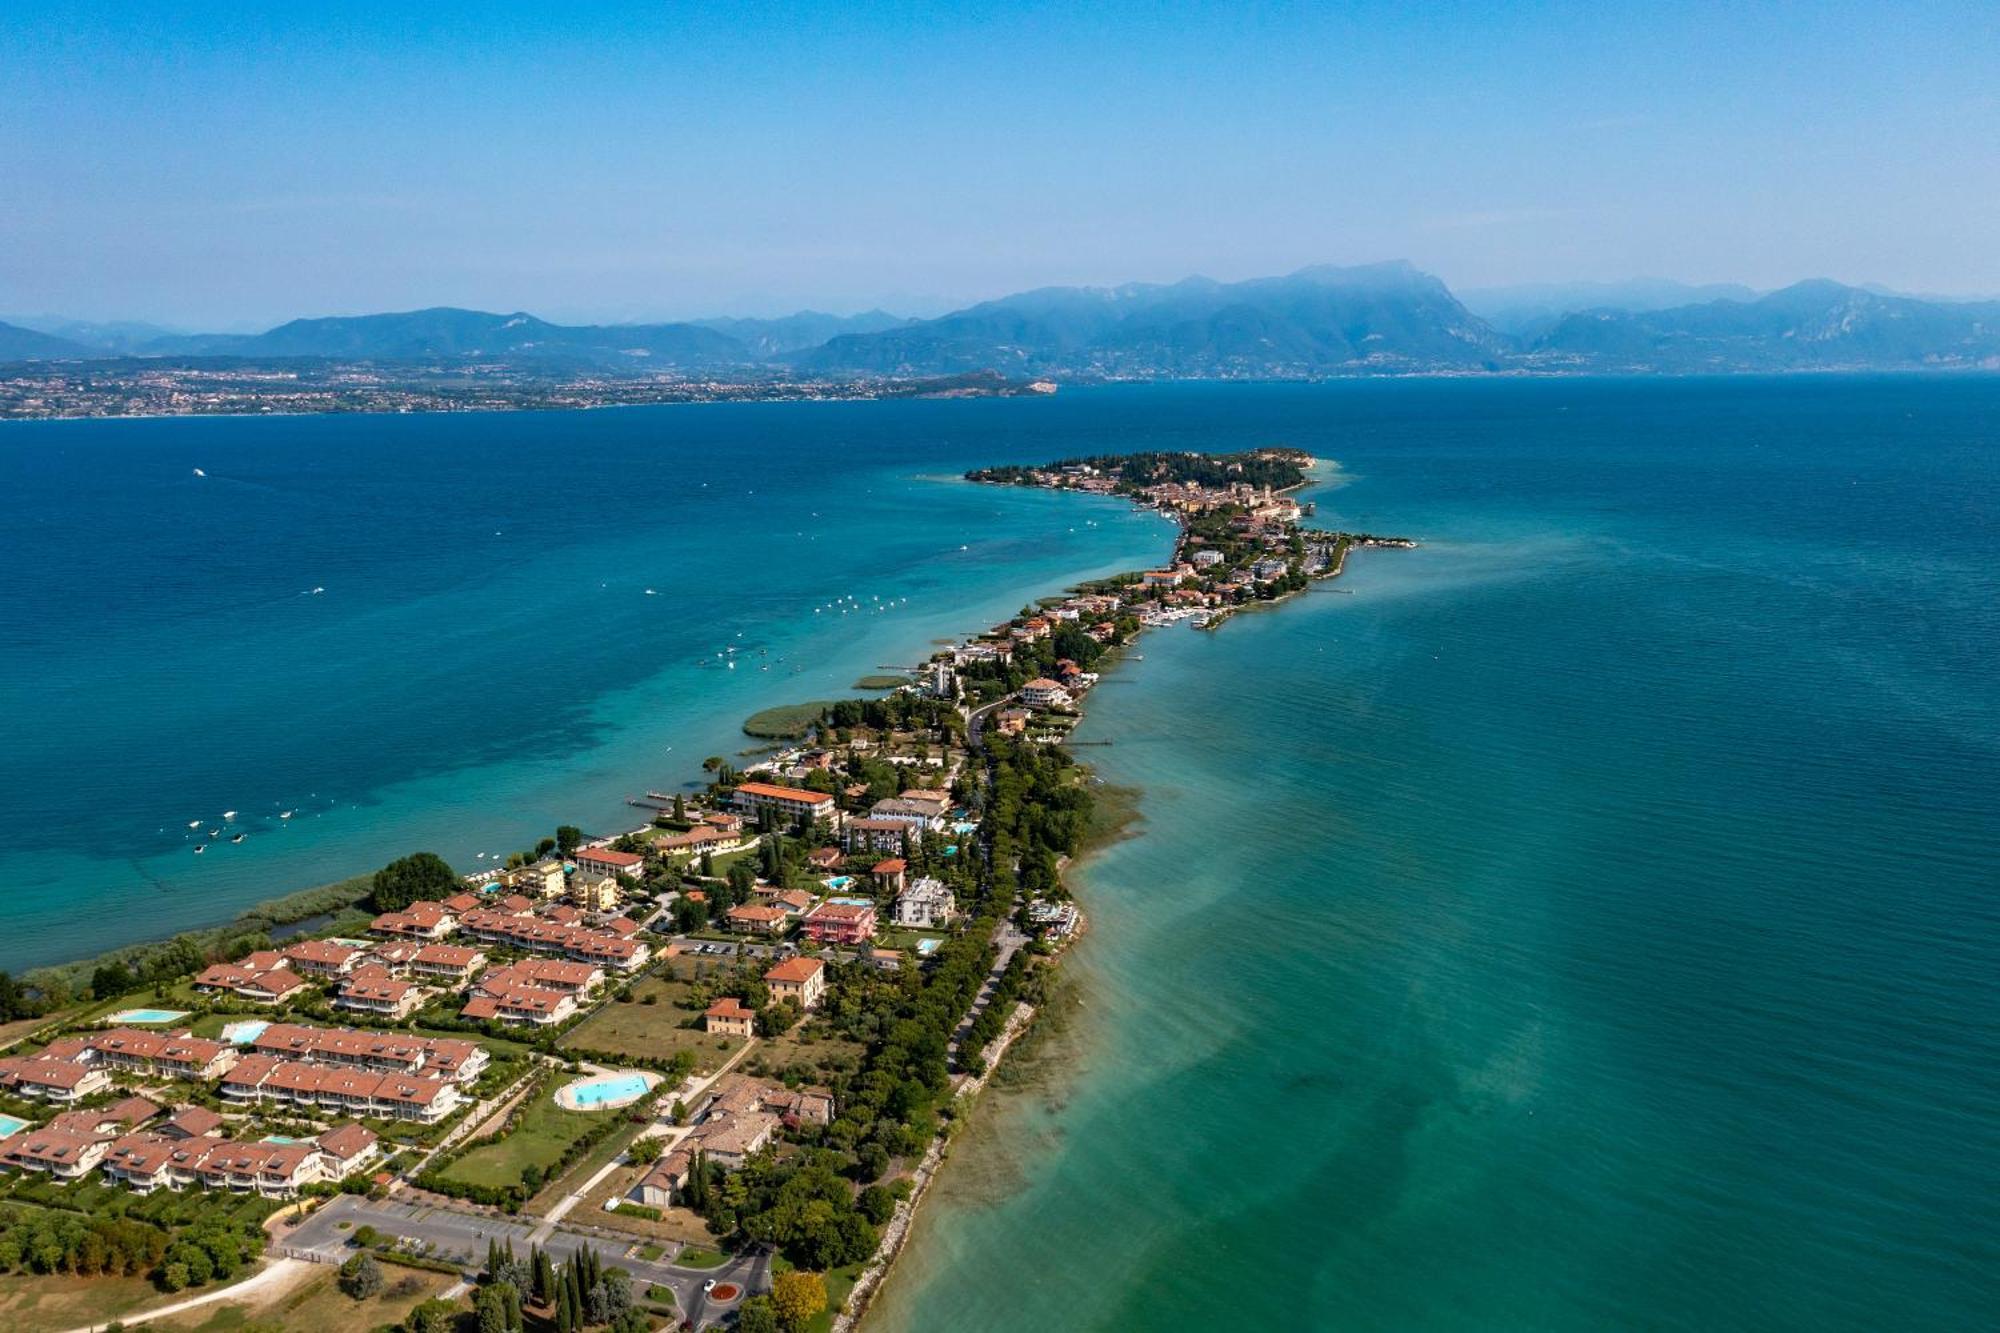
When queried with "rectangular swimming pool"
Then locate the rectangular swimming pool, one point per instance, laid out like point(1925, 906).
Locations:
point(146, 1016)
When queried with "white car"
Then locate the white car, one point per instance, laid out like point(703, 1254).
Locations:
point(708, 1286)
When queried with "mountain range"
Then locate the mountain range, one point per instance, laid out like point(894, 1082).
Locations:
point(1386, 318)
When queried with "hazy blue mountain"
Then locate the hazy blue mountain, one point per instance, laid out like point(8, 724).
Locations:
point(120, 337)
point(1815, 325)
point(445, 332)
point(19, 344)
point(793, 333)
point(1532, 309)
point(1379, 318)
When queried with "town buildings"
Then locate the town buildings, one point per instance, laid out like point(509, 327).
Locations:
point(730, 1017)
point(787, 804)
point(800, 980)
point(840, 923)
point(926, 905)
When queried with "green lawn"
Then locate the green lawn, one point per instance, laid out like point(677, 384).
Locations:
point(696, 1257)
point(544, 1133)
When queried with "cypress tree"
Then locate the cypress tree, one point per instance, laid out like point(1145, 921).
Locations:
point(545, 1276)
point(513, 1298)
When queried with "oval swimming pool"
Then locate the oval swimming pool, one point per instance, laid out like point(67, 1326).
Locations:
point(605, 1090)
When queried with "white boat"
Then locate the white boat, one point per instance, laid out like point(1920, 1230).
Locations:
point(200, 847)
point(229, 814)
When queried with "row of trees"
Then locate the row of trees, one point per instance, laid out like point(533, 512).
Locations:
point(45, 1240)
point(580, 1294)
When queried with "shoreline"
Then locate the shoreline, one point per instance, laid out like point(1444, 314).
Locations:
point(1143, 601)
point(1123, 820)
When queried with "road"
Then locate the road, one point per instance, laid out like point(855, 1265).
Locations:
point(461, 1238)
point(975, 721)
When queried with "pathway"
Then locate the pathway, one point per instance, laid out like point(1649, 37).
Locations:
point(561, 1208)
point(272, 1278)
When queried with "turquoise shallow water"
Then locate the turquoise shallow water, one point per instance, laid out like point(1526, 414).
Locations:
point(483, 659)
point(1588, 922)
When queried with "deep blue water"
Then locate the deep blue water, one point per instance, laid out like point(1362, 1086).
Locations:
point(1585, 921)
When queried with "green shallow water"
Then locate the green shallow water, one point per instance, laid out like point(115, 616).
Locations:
point(1586, 923)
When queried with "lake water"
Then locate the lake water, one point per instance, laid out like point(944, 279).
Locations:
point(1585, 921)
point(437, 632)
point(1590, 921)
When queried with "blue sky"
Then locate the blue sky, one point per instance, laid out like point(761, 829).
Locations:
point(210, 168)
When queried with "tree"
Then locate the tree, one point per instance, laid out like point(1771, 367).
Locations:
point(544, 847)
point(680, 808)
point(111, 979)
point(644, 1151)
point(361, 1277)
point(611, 1297)
point(877, 1204)
point(797, 1296)
point(545, 1276)
point(756, 1315)
point(418, 876)
point(568, 837)
point(432, 1316)
point(490, 1309)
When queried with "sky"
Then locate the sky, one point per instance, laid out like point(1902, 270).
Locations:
point(209, 167)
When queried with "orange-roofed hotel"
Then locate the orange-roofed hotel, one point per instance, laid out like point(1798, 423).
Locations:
point(785, 802)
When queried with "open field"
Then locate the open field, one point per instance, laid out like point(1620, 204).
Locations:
point(809, 1044)
point(642, 1031)
point(544, 1133)
point(53, 1300)
point(318, 1304)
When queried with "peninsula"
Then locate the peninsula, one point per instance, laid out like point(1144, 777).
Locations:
point(702, 1071)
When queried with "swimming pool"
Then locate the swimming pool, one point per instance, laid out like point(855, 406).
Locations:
point(280, 1138)
point(11, 1124)
point(924, 947)
point(853, 902)
point(839, 882)
point(146, 1016)
point(242, 1034)
point(605, 1090)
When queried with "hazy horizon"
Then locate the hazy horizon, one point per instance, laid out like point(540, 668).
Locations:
point(220, 171)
